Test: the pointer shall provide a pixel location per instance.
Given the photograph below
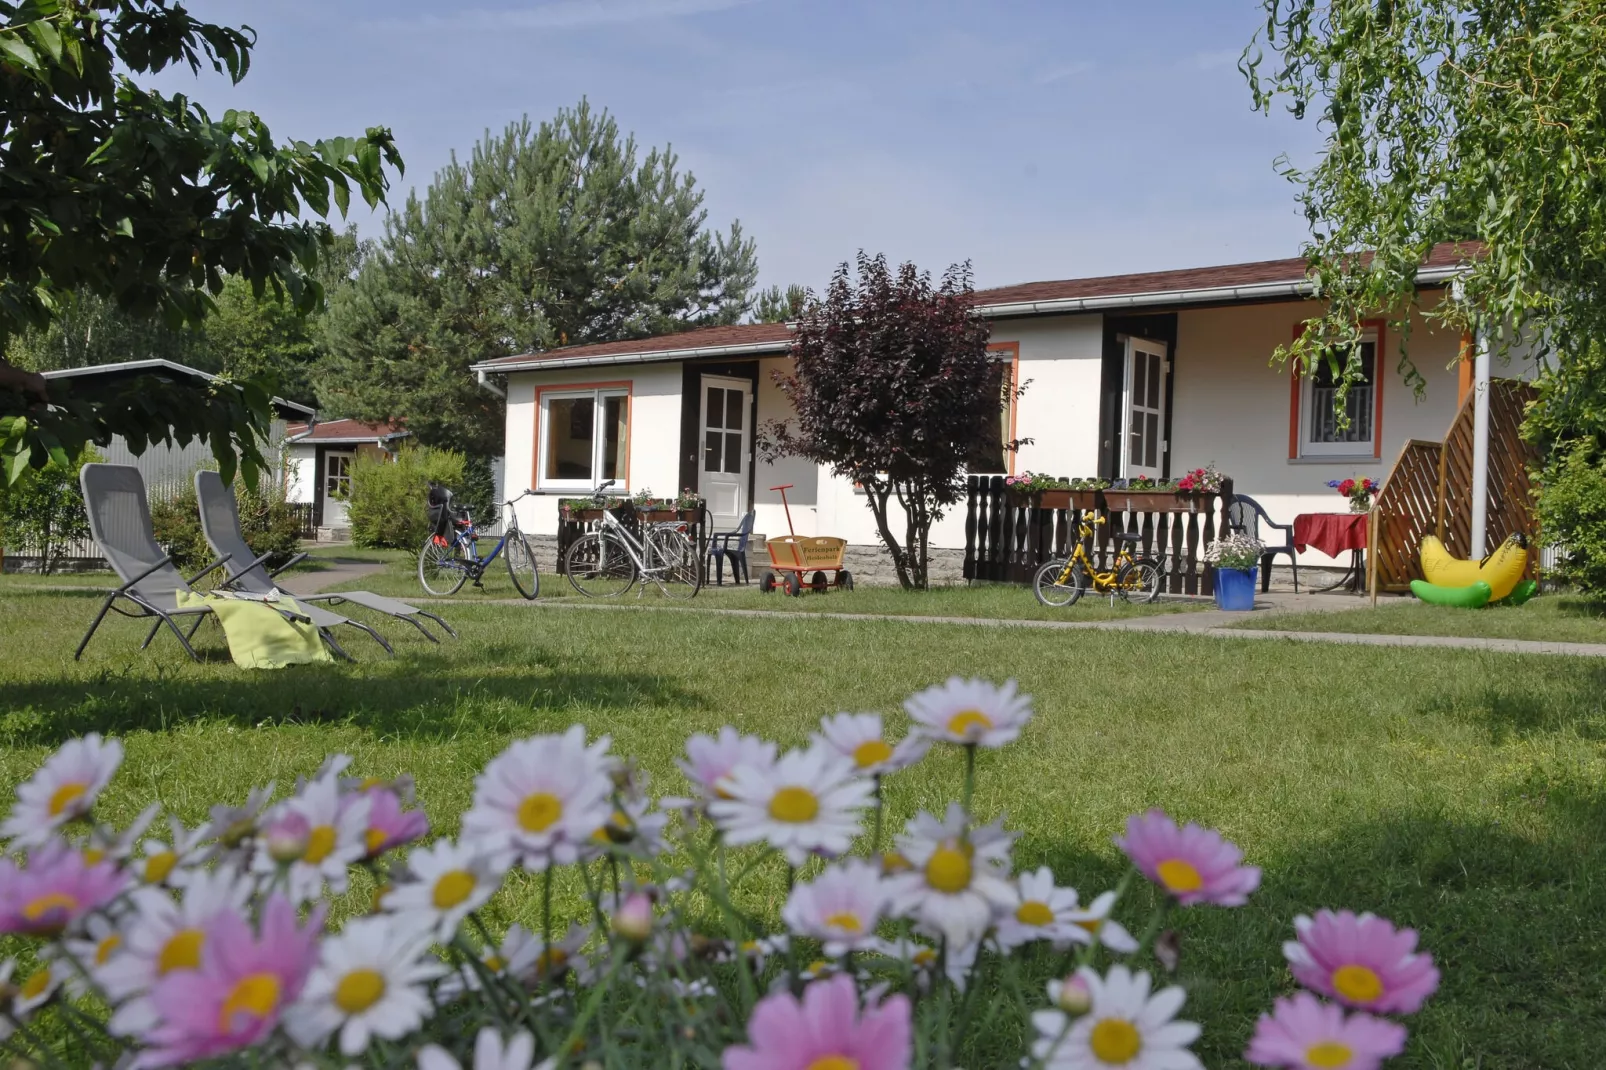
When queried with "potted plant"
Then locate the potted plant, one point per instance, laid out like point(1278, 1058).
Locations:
point(1236, 557)
point(1358, 491)
point(689, 506)
point(1084, 493)
point(1142, 494)
point(652, 509)
point(1201, 482)
point(1038, 491)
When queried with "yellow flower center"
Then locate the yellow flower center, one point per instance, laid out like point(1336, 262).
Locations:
point(181, 952)
point(893, 862)
point(846, 922)
point(94, 856)
point(1358, 984)
point(1033, 912)
point(254, 996)
point(948, 870)
point(48, 905)
point(794, 805)
point(1092, 925)
point(552, 960)
point(925, 957)
point(1329, 1053)
point(454, 886)
point(377, 903)
point(359, 990)
point(818, 967)
point(1179, 876)
point(495, 963)
point(320, 844)
point(369, 782)
point(65, 796)
point(159, 865)
point(374, 840)
point(834, 1062)
point(1115, 1041)
point(37, 983)
point(540, 811)
point(962, 722)
point(104, 949)
point(871, 752)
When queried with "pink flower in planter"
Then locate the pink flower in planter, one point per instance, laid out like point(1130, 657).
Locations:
point(1362, 961)
point(1195, 865)
point(56, 888)
point(824, 1029)
point(1303, 1033)
point(241, 990)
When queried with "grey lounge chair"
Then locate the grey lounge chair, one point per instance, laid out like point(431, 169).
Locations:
point(120, 520)
point(220, 522)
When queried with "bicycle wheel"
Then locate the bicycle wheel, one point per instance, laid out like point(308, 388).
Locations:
point(521, 564)
point(677, 555)
point(1055, 585)
point(441, 568)
point(1140, 580)
point(599, 566)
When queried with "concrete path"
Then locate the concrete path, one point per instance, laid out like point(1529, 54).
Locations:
point(338, 570)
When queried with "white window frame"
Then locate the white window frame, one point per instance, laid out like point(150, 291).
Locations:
point(1359, 450)
point(597, 396)
point(1007, 354)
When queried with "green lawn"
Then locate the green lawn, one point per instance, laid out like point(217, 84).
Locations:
point(1455, 791)
point(1557, 618)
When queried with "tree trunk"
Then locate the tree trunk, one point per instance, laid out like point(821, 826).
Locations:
point(917, 532)
point(875, 495)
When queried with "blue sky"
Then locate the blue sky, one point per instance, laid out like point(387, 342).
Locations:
point(1040, 139)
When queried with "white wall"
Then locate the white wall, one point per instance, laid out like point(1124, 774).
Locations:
point(298, 472)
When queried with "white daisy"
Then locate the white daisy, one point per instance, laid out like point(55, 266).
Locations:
point(161, 937)
point(1045, 912)
point(807, 801)
point(370, 981)
point(232, 827)
point(167, 862)
point(315, 837)
point(960, 963)
point(957, 882)
point(62, 790)
point(710, 760)
point(1124, 1027)
point(34, 991)
point(841, 907)
point(542, 798)
point(523, 957)
point(447, 883)
point(92, 952)
point(969, 711)
point(633, 827)
point(489, 1054)
point(859, 736)
point(1096, 921)
point(106, 842)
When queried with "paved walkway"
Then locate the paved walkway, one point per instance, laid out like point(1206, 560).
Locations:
point(337, 570)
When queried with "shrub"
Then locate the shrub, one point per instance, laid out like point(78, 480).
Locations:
point(1572, 515)
point(389, 499)
point(267, 521)
point(44, 510)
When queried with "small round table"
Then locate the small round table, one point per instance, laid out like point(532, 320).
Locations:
point(1332, 534)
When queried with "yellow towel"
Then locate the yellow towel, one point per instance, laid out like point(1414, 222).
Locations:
point(259, 638)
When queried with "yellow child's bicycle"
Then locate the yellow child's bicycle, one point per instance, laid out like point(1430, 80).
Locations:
point(1063, 580)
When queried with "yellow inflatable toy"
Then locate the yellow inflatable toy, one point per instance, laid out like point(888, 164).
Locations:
point(1501, 570)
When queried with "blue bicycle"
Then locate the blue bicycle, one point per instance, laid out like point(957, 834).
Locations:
point(450, 557)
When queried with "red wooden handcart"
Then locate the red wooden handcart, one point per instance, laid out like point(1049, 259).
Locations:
point(792, 555)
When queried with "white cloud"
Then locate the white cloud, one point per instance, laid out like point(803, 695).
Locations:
point(1069, 70)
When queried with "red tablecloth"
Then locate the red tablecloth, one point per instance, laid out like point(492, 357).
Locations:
point(1331, 533)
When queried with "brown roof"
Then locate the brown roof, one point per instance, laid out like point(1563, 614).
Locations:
point(347, 429)
point(740, 334)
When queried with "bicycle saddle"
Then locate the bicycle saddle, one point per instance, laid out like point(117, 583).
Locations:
point(1126, 536)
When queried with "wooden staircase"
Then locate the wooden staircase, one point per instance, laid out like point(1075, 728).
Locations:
point(1429, 492)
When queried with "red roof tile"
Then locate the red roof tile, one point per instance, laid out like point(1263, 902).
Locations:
point(346, 429)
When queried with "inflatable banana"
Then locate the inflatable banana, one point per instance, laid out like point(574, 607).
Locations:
point(1500, 570)
point(1522, 592)
point(1473, 596)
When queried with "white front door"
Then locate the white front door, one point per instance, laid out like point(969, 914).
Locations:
point(336, 487)
point(1144, 434)
point(727, 440)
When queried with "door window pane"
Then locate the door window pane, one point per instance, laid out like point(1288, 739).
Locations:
point(1154, 381)
point(716, 407)
point(615, 444)
point(569, 437)
point(1151, 444)
point(733, 451)
point(733, 410)
point(337, 477)
point(1139, 366)
point(712, 443)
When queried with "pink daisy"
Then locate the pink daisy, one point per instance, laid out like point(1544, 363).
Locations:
point(1303, 1033)
point(710, 760)
point(242, 988)
point(56, 888)
point(1193, 864)
point(825, 1030)
point(389, 826)
point(1362, 961)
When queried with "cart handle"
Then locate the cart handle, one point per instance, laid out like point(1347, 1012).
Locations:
point(784, 486)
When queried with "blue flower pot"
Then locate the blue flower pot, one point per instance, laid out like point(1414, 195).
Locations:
point(1235, 588)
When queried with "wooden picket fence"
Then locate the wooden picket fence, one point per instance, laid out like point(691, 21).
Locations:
point(1429, 492)
point(1007, 541)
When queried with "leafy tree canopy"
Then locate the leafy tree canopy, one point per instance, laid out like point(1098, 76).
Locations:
point(776, 305)
point(1449, 119)
point(547, 236)
point(145, 200)
point(893, 388)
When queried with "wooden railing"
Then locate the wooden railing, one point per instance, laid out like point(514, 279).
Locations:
point(1429, 492)
point(1007, 540)
point(571, 528)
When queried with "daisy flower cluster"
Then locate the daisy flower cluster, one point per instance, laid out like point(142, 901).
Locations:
point(327, 925)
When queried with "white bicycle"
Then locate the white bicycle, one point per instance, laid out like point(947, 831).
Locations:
point(606, 563)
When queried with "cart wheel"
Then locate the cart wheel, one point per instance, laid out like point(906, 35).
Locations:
point(844, 580)
point(820, 583)
point(766, 582)
point(794, 584)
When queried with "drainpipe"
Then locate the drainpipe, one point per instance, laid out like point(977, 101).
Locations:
point(485, 383)
point(1480, 446)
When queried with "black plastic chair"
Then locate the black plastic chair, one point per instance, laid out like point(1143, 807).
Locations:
point(721, 549)
point(1249, 516)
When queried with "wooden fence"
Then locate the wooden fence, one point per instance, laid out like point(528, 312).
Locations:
point(1429, 492)
point(1007, 541)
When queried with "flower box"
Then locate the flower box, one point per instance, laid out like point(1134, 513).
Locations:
point(588, 514)
point(1054, 499)
point(690, 516)
point(657, 516)
point(1152, 501)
